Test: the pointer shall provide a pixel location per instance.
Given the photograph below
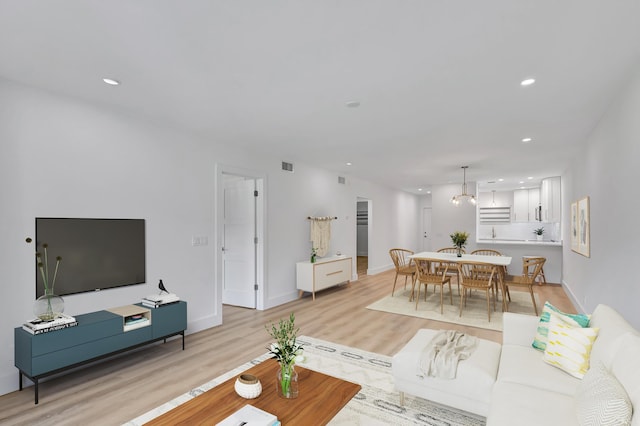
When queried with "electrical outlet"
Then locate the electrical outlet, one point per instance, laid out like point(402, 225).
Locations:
point(198, 241)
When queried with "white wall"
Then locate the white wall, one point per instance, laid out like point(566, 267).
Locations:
point(607, 171)
point(65, 158)
point(394, 221)
point(448, 218)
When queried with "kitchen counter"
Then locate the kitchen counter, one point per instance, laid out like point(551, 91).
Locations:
point(517, 249)
point(519, 242)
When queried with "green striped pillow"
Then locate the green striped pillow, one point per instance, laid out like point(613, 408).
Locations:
point(574, 320)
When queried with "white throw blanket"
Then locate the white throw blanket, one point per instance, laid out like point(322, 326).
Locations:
point(441, 355)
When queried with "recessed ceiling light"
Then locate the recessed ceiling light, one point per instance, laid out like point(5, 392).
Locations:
point(111, 81)
point(500, 180)
point(348, 164)
point(526, 140)
point(353, 104)
point(419, 189)
point(528, 82)
point(521, 182)
point(428, 192)
point(530, 177)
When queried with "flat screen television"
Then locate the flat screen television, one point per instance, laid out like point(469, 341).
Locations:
point(96, 253)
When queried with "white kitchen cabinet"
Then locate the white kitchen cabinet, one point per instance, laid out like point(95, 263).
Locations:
point(321, 274)
point(550, 199)
point(525, 205)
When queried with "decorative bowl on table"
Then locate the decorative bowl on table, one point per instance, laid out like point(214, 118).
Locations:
point(248, 386)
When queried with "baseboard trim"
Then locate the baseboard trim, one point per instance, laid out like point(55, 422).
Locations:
point(567, 289)
point(378, 270)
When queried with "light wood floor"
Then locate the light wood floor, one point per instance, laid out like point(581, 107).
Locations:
point(362, 263)
point(120, 389)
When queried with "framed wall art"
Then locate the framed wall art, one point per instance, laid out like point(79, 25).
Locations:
point(584, 238)
point(574, 227)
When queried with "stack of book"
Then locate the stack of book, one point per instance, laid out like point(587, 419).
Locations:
point(250, 416)
point(133, 322)
point(38, 326)
point(157, 300)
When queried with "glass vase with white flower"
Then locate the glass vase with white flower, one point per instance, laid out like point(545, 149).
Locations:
point(287, 351)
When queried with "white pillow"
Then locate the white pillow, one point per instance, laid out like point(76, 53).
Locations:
point(569, 348)
point(601, 400)
point(624, 367)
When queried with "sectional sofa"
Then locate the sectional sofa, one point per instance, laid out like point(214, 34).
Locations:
point(596, 381)
point(529, 391)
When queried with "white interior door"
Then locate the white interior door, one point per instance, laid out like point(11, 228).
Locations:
point(426, 229)
point(239, 242)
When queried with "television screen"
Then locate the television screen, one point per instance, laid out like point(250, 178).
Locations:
point(96, 253)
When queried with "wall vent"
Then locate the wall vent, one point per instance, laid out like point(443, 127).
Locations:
point(287, 167)
point(342, 180)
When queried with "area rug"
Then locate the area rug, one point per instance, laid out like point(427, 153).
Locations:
point(376, 404)
point(474, 314)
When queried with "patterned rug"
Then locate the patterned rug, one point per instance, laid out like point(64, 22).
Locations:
point(376, 404)
point(474, 314)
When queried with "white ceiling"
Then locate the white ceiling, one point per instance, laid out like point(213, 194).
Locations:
point(437, 81)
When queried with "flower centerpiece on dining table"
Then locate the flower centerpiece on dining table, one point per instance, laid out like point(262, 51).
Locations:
point(459, 239)
point(287, 351)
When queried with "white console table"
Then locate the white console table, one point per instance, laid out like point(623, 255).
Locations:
point(321, 274)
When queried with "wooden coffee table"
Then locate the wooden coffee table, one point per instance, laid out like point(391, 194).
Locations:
point(319, 400)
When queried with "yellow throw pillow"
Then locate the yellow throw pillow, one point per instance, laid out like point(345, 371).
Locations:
point(568, 348)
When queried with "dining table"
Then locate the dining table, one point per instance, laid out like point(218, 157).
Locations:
point(501, 261)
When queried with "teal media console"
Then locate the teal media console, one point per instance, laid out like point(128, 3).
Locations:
point(97, 335)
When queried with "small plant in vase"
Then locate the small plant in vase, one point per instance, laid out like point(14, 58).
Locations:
point(314, 254)
point(48, 306)
point(459, 239)
point(539, 232)
point(287, 352)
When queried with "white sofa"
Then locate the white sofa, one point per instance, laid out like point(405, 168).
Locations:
point(512, 384)
point(529, 391)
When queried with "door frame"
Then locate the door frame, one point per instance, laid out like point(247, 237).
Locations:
point(261, 220)
point(369, 234)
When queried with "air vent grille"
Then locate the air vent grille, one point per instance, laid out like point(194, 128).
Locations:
point(287, 167)
point(342, 180)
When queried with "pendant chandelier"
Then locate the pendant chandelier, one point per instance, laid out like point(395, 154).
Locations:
point(471, 199)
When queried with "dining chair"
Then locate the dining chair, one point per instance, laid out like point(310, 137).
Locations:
point(527, 279)
point(483, 270)
point(469, 281)
point(404, 266)
point(426, 274)
point(543, 279)
point(480, 269)
point(452, 267)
